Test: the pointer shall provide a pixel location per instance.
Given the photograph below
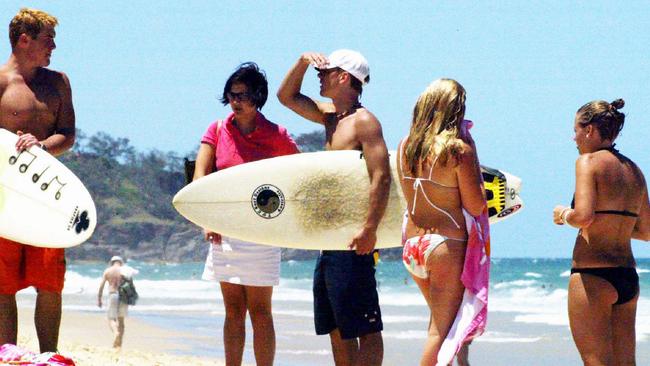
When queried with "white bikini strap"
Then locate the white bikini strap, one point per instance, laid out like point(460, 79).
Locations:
point(418, 184)
point(431, 170)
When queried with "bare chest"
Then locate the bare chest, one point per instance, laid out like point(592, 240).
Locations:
point(29, 108)
point(341, 135)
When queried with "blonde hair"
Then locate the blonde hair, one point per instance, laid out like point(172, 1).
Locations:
point(30, 22)
point(435, 128)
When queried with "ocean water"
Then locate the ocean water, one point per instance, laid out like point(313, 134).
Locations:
point(524, 293)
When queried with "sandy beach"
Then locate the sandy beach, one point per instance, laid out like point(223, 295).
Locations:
point(179, 318)
point(86, 339)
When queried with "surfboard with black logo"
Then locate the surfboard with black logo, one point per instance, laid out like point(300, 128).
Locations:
point(311, 201)
point(42, 203)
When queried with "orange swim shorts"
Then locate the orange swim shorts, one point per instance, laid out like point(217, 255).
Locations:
point(22, 266)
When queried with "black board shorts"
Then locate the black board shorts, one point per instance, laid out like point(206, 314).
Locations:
point(345, 294)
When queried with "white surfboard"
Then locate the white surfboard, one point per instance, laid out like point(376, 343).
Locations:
point(42, 203)
point(310, 201)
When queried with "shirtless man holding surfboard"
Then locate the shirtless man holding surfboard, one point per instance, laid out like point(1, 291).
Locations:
point(346, 303)
point(36, 104)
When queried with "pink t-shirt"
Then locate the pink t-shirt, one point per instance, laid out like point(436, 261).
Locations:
point(268, 140)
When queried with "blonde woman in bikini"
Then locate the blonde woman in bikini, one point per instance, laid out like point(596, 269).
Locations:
point(440, 177)
point(610, 208)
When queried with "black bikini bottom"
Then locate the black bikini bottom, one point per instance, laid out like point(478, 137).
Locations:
point(624, 279)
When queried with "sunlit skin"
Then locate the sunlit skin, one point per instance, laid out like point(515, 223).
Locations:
point(113, 276)
point(461, 190)
point(348, 126)
point(241, 300)
point(30, 92)
point(41, 48)
point(36, 104)
point(245, 116)
point(603, 331)
point(327, 78)
point(581, 136)
point(245, 110)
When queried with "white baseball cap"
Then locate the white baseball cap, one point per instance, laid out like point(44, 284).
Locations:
point(116, 258)
point(352, 62)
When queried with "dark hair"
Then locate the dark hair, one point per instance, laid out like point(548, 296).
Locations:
point(250, 75)
point(608, 120)
point(356, 84)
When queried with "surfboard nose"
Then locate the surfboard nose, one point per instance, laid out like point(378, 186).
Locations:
point(42, 202)
point(176, 200)
point(183, 199)
point(179, 199)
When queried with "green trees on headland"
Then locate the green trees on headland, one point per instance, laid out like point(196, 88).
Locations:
point(133, 192)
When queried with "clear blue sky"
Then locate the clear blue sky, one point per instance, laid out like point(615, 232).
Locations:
point(152, 71)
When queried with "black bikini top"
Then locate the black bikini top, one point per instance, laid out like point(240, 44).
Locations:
point(627, 213)
point(608, 212)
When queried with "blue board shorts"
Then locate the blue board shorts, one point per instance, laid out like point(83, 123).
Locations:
point(345, 294)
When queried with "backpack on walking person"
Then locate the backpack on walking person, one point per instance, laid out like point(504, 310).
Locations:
point(127, 292)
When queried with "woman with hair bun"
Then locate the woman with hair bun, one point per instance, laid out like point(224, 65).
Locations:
point(246, 272)
point(610, 208)
point(441, 180)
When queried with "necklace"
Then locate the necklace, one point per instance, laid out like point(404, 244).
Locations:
point(611, 149)
point(349, 111)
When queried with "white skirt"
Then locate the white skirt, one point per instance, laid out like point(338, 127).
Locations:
point(243, 263)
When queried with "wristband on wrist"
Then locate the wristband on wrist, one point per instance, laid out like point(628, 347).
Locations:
point(564, 215)
point(43, 147)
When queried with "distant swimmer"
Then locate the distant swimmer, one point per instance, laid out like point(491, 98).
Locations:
point(610, 208)
point(246, 271)
point(346, 303)
point(36, 104)
point(440, 176)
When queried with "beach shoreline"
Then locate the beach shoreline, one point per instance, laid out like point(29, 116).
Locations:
point(152, 339)
point(86, 338)
point(180, 317)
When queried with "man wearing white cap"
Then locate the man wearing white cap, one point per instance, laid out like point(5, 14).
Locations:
point(346, 304)
point(117, 309)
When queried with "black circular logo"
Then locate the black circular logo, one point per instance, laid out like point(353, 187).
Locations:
point(267, 201)
point(508, 211)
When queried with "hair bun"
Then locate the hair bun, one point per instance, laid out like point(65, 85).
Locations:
point(618, 104)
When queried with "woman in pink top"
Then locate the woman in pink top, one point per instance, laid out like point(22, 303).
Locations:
point(440, 177)
point(246, 271)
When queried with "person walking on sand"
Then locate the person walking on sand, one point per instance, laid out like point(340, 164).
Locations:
point(246, 271)
point(36, 104)
point(117, 310)
point(610, 208)
point(346, 303)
